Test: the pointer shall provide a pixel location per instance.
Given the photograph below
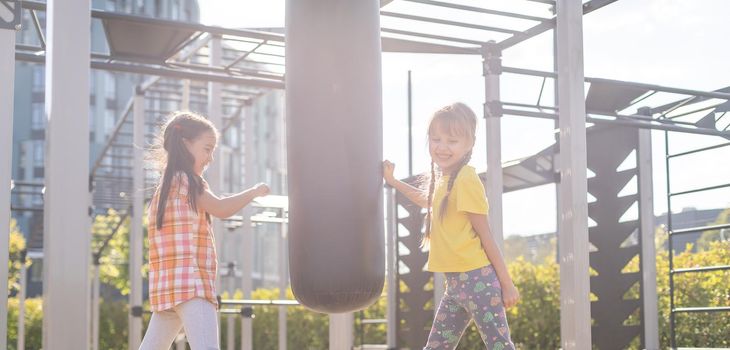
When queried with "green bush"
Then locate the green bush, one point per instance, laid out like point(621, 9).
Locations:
point(33, 323)
point(706, 289)
point(534, 322)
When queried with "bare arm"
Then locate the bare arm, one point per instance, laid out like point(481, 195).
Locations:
point(226, 206)
point(414, 194)
point(480, 222)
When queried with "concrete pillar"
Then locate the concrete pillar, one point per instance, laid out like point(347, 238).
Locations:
point(648, 250)
point(492, 65)
point(7, 89)
point(575, 308)
point(66, 240)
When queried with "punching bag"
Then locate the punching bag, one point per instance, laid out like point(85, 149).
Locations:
point(334, 145)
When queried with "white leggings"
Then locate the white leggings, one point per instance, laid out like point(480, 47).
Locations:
point(199, 318)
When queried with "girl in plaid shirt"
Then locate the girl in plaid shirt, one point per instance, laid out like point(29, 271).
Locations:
point(182, 256)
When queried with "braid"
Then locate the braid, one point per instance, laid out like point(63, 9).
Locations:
point(452, 178)
point(174, 157)
point(431, 187)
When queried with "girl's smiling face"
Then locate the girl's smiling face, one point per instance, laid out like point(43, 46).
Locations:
point(447, 145)
point(202, 148)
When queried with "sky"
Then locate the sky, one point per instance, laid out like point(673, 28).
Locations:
point(674, 43)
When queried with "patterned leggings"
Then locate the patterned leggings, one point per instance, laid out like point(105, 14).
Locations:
point(472, 295)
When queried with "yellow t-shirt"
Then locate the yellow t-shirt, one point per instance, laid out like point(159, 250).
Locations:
point(455, 245)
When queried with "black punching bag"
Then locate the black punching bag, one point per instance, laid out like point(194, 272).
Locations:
point(334, 127)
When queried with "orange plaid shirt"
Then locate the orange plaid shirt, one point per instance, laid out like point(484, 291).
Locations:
point(182, 256)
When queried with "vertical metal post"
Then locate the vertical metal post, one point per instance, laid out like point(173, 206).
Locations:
point(283, 281)
point(392, 266)
point(410, 125)
point(231, 319)
point(21, 302)
point(670, 248)
point(214, 174)
point(95, 317)
point(557, 143)
point(247, 240)
point(575, 312)
point(136, 222)
point(66, 292)
point(284, 240)
point(7, 72)
point(648, 250)
point(492, 64)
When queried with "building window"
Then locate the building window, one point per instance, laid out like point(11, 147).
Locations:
point(36, 270)
point(158, 8)
point(175, 10)
point(38, 117)
point(39, 78)
point(92, 82)
point(38, 152)
point(109, 121)
point(110, 85)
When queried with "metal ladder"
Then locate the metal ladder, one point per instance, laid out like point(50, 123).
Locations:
point(674, 310)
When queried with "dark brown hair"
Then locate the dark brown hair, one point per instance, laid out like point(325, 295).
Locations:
point(461, 121)
point(173, 157)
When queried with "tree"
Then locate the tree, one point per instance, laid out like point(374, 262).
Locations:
point(714, 235)
point(17, 257)
point(114, 260)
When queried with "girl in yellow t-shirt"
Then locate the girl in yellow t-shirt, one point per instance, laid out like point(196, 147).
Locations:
point(478, 286)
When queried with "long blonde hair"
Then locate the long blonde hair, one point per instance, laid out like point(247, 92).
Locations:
point(460, 121)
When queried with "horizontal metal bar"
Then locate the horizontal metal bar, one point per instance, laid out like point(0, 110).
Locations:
point(532, 72)
point(514, 104)
point(26, 183)
point(479, 9)
point(532, 32)
point(29, 48)
point(14, 208)
point(242, 71)
point(447, 22)
point(374, 321)
point(264, 302)
point(699, 150)
point(169, 23)
point(701, 269)
point(702, 309)
point(229, 311)
point(698, 229)
point(431, 36)
point(621, 120)
point(139, 69)
point(26, 193)
point(544, 26)
point(708, 94)
point(541, 115)
point(699, 190)
point(697, 99)
point(588, 7)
